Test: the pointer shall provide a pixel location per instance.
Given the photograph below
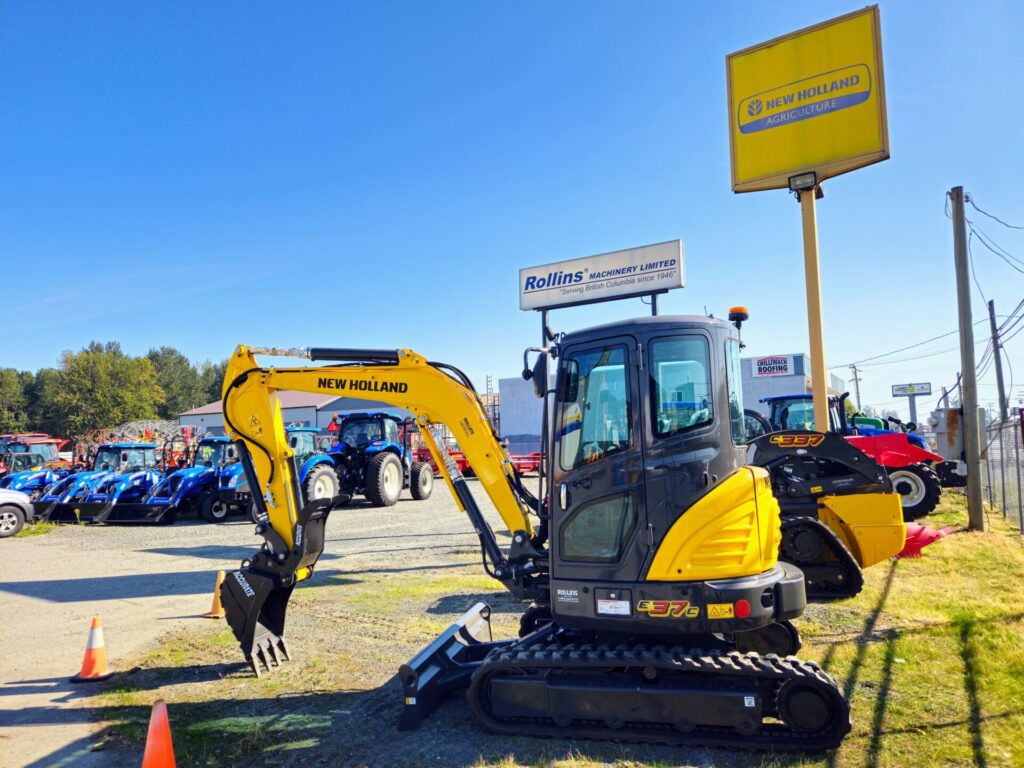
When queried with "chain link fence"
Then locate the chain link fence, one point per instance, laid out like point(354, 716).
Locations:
point(1002, 483)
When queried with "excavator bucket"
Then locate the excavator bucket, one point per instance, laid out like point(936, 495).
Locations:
point(255, 597)
point(255, 607)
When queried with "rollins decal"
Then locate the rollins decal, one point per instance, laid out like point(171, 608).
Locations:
point(357, 385)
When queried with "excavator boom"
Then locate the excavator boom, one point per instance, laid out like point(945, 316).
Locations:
point(256, 596)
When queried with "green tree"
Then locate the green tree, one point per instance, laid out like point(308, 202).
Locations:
point(13, 417)
point(181, 383)
point(101, 387)
point(40, 390)
point(212, 377)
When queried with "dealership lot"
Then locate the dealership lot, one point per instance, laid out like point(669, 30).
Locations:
point(146, 582)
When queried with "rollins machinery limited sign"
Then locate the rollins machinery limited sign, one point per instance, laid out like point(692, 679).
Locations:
point(776, 365)
point(633, 272)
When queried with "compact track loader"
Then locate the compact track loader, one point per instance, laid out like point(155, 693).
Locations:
point(658, 608)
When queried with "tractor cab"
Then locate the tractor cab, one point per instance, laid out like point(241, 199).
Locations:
point(372, 432)
point(303, 440)
point(797, 412)
point(125, 457)
point(214, 453)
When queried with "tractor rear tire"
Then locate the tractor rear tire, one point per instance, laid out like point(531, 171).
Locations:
point(213, 510)
point(321, 483)
point(421, 480)
point(384, 479)
point(919, 489)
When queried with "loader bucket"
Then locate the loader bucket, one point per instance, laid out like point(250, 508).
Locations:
point(869, 524)
point(72, 512)
point(446, 665)
point(136, 512)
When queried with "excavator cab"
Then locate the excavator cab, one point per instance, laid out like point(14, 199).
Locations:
point(656, 522)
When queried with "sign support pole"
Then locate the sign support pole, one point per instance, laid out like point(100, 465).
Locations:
point(815, 325)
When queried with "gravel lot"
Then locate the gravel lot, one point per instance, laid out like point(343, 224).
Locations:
point(149, 583)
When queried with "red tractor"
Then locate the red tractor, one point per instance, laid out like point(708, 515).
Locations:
point(909, 465)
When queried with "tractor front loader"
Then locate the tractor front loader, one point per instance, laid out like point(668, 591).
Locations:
point(839, 511)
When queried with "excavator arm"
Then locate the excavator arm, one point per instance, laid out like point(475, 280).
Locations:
point(255, 597)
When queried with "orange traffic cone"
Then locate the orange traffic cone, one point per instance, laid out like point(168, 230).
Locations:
point(216, 609)
point(159, 749)
point(94, 665)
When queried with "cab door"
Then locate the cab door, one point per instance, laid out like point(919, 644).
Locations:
point(597, 489)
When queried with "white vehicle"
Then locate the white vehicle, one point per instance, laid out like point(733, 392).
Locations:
point(15, 510)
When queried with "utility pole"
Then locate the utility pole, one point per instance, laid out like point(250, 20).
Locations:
point(1003, 412)
point(972, 436)
point(856, 383)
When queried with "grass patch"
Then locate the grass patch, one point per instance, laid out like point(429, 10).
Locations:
point(930, 654)
point(38, 528)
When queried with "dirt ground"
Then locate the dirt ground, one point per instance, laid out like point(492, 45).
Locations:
point(149, 582)
point(930, 654)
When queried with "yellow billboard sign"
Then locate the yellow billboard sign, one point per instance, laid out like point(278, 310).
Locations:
point(813, 100)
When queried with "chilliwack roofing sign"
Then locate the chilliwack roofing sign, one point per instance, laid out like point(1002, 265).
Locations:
point(775, 365)
point(616, 275)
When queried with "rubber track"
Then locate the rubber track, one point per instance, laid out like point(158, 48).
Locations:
point(853, 582)
point(729, 668)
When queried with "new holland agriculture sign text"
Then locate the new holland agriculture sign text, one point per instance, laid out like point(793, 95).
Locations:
point(813, 100)
point(616, 275)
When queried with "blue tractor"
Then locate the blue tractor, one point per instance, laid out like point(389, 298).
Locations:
point(208, 486)
point(372, 457)
point(30, 474)
point(121, 473)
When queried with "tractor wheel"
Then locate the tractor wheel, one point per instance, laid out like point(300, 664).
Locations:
point(384, 479)
point(213, 510)
point(421, 480)
point(253, 512)
point(12, 519)
point(321, 483)
point(918, 487)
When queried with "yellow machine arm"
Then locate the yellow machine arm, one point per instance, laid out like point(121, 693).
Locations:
point(256, 596)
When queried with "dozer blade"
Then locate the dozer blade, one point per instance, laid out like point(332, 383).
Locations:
point(255, 609)
point(446, 665)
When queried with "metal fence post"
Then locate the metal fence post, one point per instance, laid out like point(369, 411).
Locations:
point(1002, 465)
point(1016, 457)
point(988, 465)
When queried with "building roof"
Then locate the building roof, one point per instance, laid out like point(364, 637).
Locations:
point(288, 399)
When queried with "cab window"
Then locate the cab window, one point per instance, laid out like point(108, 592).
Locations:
point(600, 530)
point(680, 382)
point(391, 430)
point(595, 415)
point(734, 380)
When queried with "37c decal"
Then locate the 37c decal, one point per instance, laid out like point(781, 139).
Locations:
point(668, 609)
point(797, 441)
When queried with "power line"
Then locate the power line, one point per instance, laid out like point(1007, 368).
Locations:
point(903, 349)
point(970, 200)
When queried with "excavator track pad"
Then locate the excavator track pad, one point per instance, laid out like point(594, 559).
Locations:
point(659, 694)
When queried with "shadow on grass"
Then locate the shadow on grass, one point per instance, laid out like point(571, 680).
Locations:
point(968, 653)
point(345, 728)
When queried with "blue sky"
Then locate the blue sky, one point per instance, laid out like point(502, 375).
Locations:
point(374, 174)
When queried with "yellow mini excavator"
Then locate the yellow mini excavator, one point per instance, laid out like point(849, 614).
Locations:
point(658, 609)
